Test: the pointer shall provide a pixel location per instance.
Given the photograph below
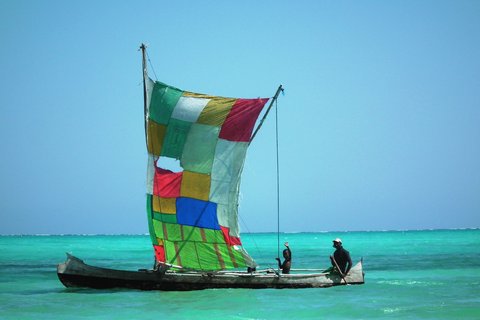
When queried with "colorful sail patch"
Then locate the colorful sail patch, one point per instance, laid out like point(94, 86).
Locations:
point(193, 213)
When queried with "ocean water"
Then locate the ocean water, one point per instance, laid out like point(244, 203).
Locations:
point(409, 275)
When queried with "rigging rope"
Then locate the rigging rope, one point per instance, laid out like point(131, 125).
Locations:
point(151, 65)
point(278, 180)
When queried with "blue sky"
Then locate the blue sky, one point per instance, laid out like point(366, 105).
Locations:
point(379, 124)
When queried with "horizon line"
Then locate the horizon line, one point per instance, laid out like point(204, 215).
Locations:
point(243, 233)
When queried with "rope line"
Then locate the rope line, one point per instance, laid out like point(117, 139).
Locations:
point(278, 178)
point(151, 65)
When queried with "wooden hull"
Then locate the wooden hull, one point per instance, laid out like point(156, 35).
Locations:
point(75, 273)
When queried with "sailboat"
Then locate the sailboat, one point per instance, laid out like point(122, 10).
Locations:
point(193, 214)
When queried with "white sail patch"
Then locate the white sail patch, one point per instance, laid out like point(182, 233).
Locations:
point(189, 108)
point(150, 173)
point(149, 84)
point(227, 215)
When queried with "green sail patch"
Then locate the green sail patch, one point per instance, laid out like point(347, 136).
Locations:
point(151, 229)
point(199, 149)
point(165, 217)
point(175, 232)
point(177, 131)
point(163, 101)
point(157, 228)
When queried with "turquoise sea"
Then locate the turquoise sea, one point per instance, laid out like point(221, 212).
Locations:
point(431, 274)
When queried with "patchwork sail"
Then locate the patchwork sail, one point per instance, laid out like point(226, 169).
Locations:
point(193, 213)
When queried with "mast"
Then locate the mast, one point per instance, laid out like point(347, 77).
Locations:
point(143, 47)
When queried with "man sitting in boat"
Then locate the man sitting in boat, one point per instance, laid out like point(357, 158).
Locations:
point(341, 258)
point(287, 263)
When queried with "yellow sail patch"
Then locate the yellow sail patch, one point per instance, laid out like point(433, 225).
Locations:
point(156, 134)
point(195, 185)
point(164, 205)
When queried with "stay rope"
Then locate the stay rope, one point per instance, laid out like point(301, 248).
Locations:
point(278, 179)
point(151, 65)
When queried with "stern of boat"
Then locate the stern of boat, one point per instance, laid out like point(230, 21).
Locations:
point(356, 274)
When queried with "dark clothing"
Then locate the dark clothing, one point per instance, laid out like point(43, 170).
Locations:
point(287, 264)
point(342, 257)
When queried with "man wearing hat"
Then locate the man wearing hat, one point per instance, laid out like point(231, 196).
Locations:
point(341, 257)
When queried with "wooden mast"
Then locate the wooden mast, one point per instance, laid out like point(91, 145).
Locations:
point(143, 47)
point(280, 88)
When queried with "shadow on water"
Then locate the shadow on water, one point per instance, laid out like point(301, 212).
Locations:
point(34, 292)
point(88, 291)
